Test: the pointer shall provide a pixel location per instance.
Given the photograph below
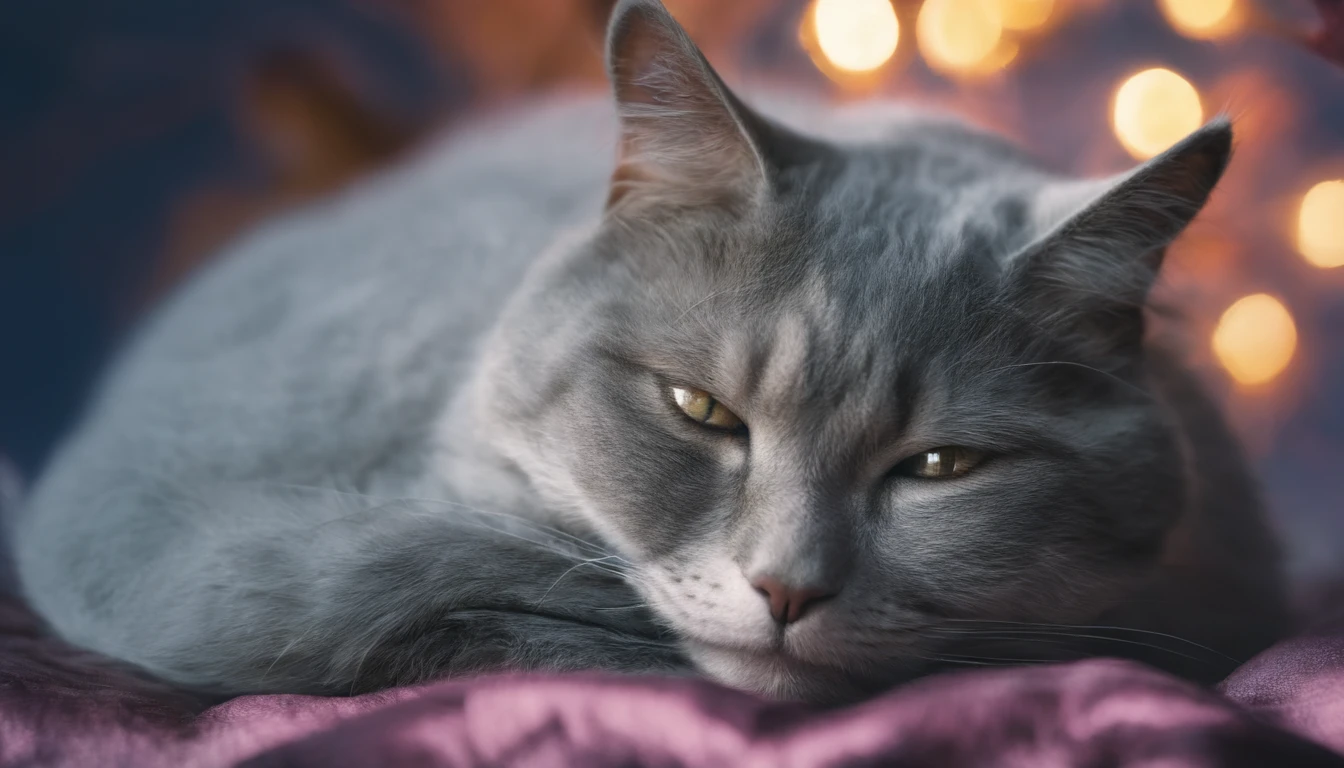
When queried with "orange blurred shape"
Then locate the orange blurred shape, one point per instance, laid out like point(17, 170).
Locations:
point(1255, 339)
point(1153, 110)
point(1023, 15)
point(855, 35)
point(1320, 225)
point(963, 37)
point(1203, 19)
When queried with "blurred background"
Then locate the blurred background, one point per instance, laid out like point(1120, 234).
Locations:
point(138, 136)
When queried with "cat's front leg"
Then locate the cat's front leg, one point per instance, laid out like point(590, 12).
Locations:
point(303, 590)
point(437, 598)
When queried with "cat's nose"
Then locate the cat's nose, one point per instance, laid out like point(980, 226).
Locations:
point(788, 602)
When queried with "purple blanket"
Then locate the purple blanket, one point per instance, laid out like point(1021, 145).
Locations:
point(59, 707)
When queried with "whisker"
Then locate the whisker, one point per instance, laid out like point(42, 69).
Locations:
point(961, 661)
point(1093, 627)
point(543, 545)
point(1036, 635)
point(359, 667)
point(562, 578)
point(288, 647)
point(631, 607)
point(713, 295)
point(1003, 659)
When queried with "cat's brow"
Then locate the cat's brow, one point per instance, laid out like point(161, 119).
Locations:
point(1128, 385)
point(1004, 432)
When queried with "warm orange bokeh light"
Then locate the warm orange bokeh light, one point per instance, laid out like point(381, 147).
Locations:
point(1153, 110)
point(1255, 339)
point(1320, 225)
point(999, 58)
point(1022, 15)
point(1204, 19)
point(855, 35)
point(961, 36)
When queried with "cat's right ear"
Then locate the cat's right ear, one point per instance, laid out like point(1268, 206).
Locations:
point(686, 140)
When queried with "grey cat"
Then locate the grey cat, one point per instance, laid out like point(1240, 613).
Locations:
point(808, 413)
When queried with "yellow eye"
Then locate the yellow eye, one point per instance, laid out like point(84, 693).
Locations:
point(940, 463)
point(701, 406)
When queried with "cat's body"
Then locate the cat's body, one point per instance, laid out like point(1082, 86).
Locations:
point(328, 346)
point(423, 429)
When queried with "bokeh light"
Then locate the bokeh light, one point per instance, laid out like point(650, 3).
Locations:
point(856, 35)
point(1002, 55)
point(1155, 109)
point(1022, 15)
point(1255, 339)
point(1204, 19)
point(961, 36)
point(1320, 225)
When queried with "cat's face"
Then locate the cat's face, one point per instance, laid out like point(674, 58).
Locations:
point(830, 400)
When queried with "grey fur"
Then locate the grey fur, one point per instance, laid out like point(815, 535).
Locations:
point(424, 429)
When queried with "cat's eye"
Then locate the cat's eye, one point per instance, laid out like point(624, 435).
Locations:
point(941, 463)
point(704, 408)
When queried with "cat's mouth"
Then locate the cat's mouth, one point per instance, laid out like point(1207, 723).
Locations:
point(776, 673)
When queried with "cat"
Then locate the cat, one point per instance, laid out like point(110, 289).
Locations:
point(807, 410)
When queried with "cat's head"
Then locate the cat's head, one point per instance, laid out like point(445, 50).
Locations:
point(828, 398)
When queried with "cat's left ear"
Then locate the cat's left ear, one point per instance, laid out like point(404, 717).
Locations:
point(1103, 241)
point(686, 140)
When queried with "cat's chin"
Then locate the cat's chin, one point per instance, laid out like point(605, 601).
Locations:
point(776, 675)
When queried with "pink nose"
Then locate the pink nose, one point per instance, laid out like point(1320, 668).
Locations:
point(787, 603)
